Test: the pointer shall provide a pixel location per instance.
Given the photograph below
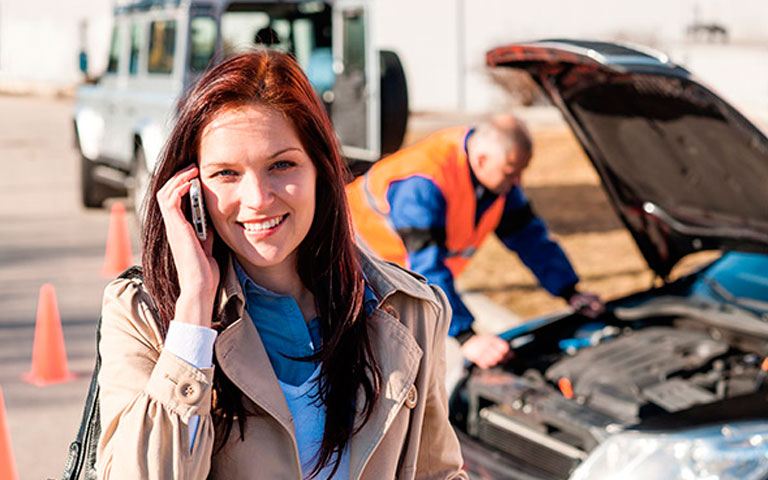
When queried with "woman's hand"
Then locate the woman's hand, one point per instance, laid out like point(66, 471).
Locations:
point(197, 269)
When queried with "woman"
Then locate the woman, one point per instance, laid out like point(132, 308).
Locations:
point(327, 364)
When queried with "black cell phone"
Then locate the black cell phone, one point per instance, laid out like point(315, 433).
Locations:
point(198, 209)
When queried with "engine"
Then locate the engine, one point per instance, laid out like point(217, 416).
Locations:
point(642, 368)
point(553, 415)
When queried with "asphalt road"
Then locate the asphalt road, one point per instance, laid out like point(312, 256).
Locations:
point(45, 236)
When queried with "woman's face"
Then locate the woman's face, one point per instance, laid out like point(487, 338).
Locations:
point(259, 185)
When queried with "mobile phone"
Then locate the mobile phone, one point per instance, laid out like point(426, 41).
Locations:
point(198, 209)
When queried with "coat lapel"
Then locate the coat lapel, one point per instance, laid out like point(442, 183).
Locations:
point(242, 357)
point(399, 356)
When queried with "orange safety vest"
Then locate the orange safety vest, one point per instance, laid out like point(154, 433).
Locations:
point(440, 158)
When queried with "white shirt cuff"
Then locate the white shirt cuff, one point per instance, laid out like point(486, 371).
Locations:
point(191, 343)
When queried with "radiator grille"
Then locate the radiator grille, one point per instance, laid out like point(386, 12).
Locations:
point(560, 462)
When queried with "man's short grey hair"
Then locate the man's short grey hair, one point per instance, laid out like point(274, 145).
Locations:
point(504, 131)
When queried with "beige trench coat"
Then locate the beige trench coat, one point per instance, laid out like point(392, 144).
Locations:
point(148, 396)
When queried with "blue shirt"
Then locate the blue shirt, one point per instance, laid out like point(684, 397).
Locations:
point(283, 330)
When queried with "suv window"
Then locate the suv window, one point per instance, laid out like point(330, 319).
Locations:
point(240, 29)
point(202, 42)
point(162, 46)
point(303, 29)
point(354, 41)
point(114, 51)
point(136, 37)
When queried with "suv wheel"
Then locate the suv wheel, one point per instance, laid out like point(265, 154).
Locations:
point(92, 193)
point(394, 102)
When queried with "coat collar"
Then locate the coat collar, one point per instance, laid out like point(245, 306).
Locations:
point(385, 279)
point(230, 301)
point(242, 356)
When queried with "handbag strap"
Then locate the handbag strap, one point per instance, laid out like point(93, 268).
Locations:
point(82, 451)
point(89, 424)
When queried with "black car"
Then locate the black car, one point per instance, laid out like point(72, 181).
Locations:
point(669, 383)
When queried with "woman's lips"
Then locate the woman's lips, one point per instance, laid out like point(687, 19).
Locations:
point(263, 228)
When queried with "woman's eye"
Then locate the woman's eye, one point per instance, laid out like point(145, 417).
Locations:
point(282, 165)
point(224, 173)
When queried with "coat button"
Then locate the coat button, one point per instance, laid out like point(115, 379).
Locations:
point(189, 391)
point(412, 398)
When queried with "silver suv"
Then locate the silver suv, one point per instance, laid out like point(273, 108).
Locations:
point(159, 48)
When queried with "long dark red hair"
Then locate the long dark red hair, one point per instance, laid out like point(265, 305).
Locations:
point(328, 261)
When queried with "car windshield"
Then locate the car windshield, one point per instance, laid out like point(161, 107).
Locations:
point(738, 278)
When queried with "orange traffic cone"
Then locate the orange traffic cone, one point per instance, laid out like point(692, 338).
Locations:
point(7, 463)
point(49, 357)
point(118, 256)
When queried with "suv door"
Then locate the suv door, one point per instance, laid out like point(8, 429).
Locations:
point(355, 108)
point(110, 85)
point(148, 103)
point(126, 107)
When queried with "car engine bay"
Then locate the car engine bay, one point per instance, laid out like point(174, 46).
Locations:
point(581, 381)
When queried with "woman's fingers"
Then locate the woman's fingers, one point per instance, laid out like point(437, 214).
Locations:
point(181, 236)
point(184, 175)
point(170, 208)
point(169, 193)
point(170, 196)
point(178, 192)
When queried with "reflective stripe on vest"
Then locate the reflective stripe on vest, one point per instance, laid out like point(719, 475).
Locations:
point(466, 253)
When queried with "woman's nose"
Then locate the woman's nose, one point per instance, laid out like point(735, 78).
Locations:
point(256, 192)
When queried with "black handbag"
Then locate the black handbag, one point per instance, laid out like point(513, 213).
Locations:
point(82, 452)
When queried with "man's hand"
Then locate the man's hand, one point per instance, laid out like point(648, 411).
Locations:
point(587, 304)
point(485, 351)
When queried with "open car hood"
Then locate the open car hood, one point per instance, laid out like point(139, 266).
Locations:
point(684, 170)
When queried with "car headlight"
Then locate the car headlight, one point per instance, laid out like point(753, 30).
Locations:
point(737, 451)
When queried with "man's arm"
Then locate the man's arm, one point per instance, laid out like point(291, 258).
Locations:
point(523, 232)
point(417, 212)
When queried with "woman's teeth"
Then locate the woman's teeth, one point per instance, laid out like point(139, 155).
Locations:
point(259, 226)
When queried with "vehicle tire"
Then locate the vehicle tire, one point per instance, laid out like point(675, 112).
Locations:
point(394, 102)
point(139, 183)
point(92, 194)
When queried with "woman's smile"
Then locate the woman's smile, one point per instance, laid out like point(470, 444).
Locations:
point(263, 228)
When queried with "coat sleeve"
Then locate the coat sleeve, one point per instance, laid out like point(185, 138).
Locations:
point(147, 397)
point(440, 454)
